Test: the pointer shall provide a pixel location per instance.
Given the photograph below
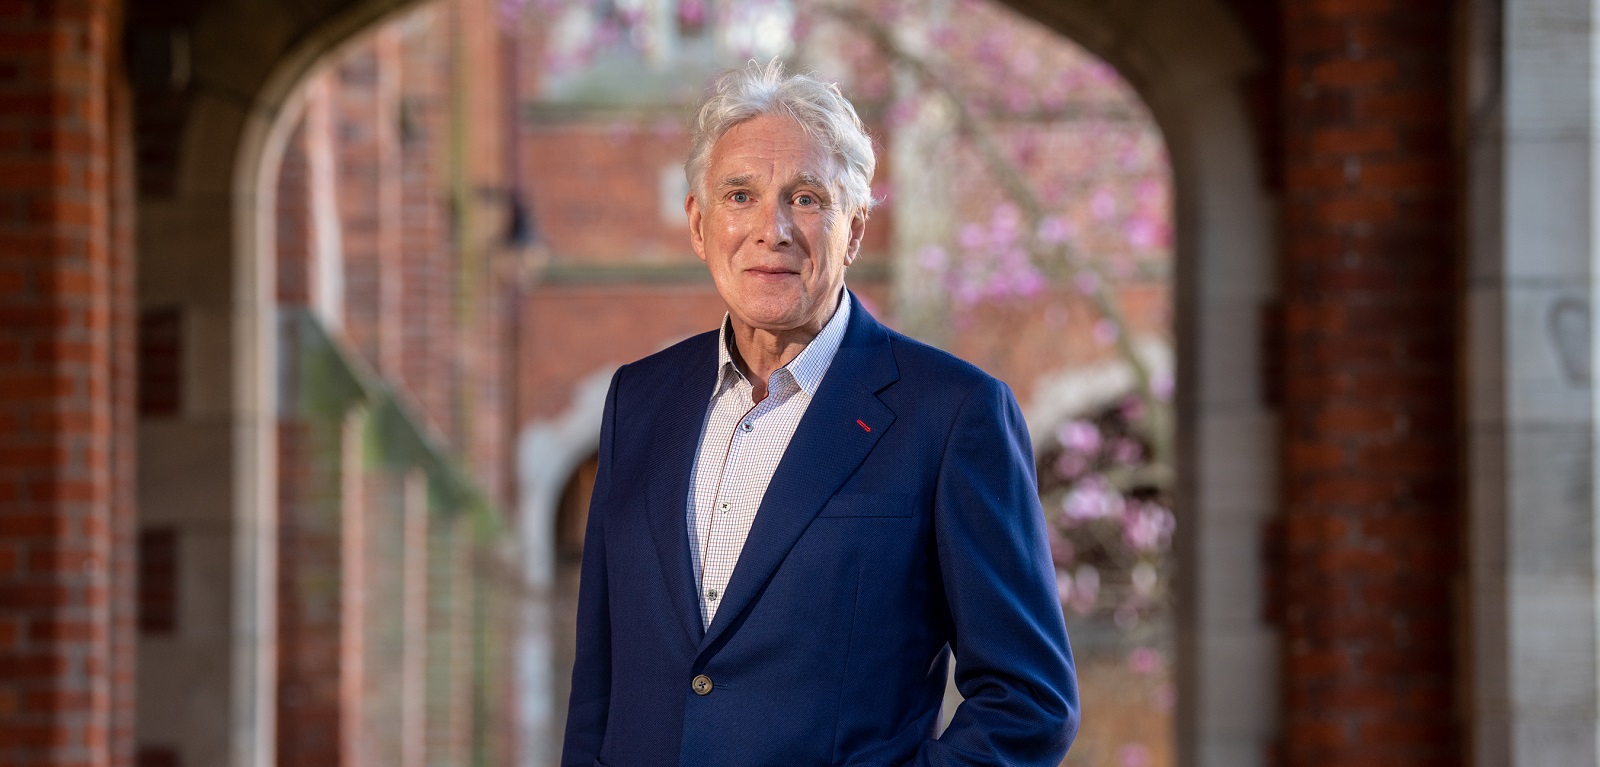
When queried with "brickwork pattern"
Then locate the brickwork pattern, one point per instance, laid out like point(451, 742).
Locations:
point(427, 301)
point(380, 649)
point(309, 714)
point(364, 117)
point(1370, 536)
point(64, 256)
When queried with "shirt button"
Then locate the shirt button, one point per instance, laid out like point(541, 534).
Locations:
point(711, 594)
point(723, 508)
point(701, 685)
point(746, 426)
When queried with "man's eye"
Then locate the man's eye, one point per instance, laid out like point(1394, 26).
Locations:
point(739, 197)
point(805, 199)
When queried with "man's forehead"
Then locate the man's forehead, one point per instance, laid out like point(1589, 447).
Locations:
point(749, 157)
point(766, 138)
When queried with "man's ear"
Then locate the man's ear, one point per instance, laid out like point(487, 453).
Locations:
point(858, 229)
point(691, 206)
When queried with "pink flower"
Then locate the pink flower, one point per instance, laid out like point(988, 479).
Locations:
point(1126, 451)
point(1070, 464)
point(1143, 233)
point(1103, 204)
point(1092, 498)
point(1054, 230)
point(1079, 436)
point(1026, 282)
point(1147, 526)
point(692, 12)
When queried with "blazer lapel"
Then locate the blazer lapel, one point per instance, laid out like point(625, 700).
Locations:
point(827, 446)
point(673, 444)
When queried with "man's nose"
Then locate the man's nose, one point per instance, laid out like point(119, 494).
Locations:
point(776, 225)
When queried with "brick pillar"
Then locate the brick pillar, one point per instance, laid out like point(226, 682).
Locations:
point(61, 263)
point(1373, 521)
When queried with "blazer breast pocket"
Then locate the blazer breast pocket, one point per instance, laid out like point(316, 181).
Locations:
point(870, 505)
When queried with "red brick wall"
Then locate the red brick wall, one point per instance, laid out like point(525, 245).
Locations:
point(374, 666)
point(365, 117)
point(63, 386)
point(309, 715)
point(1369, 284)
point(427, 300)
point(594, 189)
point(569, 333)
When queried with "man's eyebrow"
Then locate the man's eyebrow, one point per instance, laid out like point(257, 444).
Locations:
point(740, 180)
point(811, 180)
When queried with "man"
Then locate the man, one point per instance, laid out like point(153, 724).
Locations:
point(799, 518)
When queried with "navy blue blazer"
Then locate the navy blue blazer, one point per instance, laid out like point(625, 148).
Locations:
point(880, 548)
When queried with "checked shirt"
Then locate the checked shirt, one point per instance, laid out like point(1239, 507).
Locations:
point(740, 446)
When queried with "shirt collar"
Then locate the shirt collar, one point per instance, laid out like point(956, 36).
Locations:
point(807, 368)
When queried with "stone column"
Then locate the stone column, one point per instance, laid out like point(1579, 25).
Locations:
point(1530, 406)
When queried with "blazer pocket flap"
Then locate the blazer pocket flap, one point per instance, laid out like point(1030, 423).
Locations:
point(870, 505)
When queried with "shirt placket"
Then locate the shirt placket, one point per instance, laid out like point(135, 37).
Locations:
point(734, 502)
point(725, 507)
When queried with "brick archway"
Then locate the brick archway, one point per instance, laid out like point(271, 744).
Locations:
point(1375, 132)
point(1187, 60)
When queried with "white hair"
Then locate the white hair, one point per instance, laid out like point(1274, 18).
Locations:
point(818, 107)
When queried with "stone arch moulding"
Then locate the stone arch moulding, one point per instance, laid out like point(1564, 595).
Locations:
point(1189, 59)
point(547, 454)
point(208, 248)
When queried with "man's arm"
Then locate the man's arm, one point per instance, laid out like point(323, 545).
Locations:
point(591, 670)
point(1013, 664)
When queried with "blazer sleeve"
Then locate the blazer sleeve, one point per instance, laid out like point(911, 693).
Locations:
point(591, 670)
point(1013, 664)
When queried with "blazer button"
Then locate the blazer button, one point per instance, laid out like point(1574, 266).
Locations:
point(701, 685)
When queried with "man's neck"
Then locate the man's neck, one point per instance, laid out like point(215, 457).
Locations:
point(758, 353)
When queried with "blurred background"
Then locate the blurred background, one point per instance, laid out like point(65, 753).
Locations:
point(308, 309)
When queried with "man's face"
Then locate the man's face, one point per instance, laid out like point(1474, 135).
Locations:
point(772, 227)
